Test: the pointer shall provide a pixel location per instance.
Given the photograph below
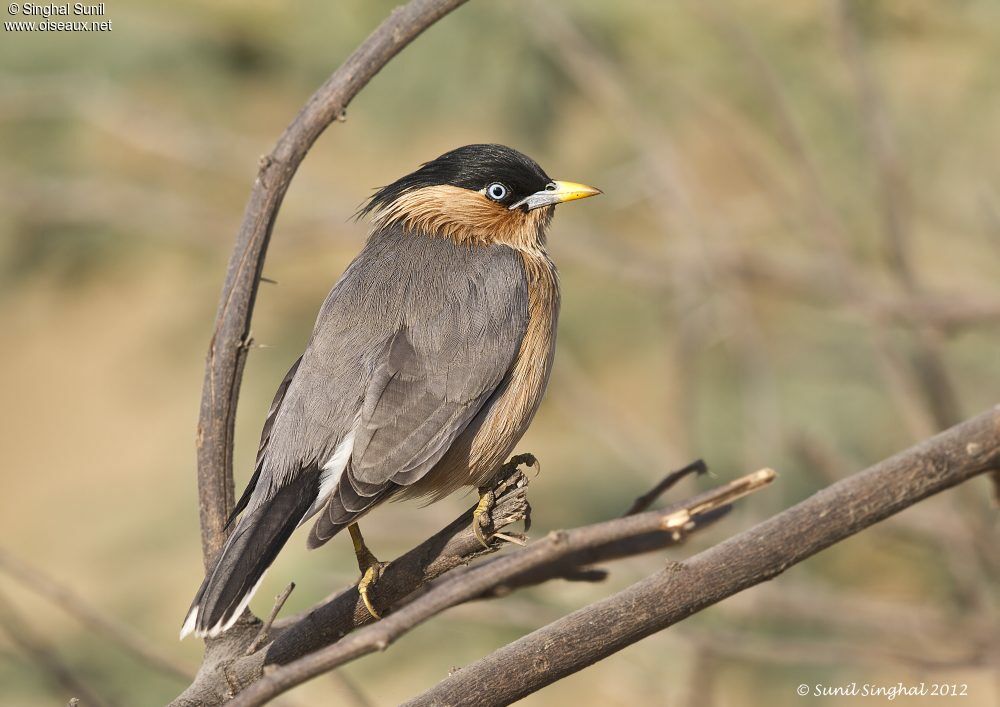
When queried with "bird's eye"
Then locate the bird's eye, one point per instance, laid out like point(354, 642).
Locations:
point(496, 191)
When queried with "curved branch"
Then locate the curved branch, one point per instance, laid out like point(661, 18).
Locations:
point(226, 668)
point(759, 554)
point(442, 558)
point(677, 520)
point(231, 338)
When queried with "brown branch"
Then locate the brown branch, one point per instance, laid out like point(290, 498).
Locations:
point(702, 679)
point(580, 566)
point(646, 500)
point(101, 624)
point(314, 642)
point(226, 669)
point(816, 283)
point(265, 630)
point(62, 678)
point(761, 553)
point(892, 188)
point(677, 518)
point(230, 340)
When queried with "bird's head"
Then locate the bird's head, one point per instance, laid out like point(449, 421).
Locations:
point(477, 194)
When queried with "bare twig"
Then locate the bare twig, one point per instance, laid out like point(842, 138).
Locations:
point(918, 383)
point(805, 279)
point(254, 663)
point(676, 519)
point(265, 630)
point(579, 566)
point(226, 669)
point(761, 553)
point(918, 630)
point(893, 191)
point(647, 499)
point(228, 349)
point(90, 616)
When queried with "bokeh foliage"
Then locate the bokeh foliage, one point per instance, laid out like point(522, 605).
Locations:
point(732, 296)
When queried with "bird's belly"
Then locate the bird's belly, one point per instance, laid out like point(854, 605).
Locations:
point(491, 436)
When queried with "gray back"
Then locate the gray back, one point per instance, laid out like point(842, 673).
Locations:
point(407, 347)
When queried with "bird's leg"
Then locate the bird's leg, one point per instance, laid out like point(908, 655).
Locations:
point(371, 568)
point(482, 519)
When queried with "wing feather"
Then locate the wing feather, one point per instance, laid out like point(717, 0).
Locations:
point(453, 347)
point(265, 437)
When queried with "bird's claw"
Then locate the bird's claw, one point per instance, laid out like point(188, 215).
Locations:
point(483, 524)
point(371, 569)
point(528, 459)
point(368, 580)
point(481, 518)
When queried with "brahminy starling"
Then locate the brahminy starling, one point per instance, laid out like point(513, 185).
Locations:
point(427, 363)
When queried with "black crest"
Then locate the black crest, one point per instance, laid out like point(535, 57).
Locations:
point(470, 167)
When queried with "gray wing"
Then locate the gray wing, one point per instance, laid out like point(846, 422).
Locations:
point(410, 345)
point(461, 330)
point(265, 438)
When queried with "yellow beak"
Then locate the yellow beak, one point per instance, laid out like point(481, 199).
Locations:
point(571, 191)
point(556, 193)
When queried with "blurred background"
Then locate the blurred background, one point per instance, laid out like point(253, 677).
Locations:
point(796, 264)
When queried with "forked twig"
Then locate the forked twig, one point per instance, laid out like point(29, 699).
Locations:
point(265, 630)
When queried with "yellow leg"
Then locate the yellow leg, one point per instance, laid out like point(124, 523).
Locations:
point(371, 568)
point(481, 516)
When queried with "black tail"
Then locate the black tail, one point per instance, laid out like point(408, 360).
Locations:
point(249, 551)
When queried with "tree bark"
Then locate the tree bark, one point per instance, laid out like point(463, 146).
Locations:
point(231, 338)
point(757, 555)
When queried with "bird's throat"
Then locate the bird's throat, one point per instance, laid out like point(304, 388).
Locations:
point(466, 217)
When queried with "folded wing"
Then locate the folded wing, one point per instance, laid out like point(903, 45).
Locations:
point(449, 354)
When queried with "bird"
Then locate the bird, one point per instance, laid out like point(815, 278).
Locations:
point(427, 362)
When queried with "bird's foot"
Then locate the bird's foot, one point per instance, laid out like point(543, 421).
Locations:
point(482, 520)
point(371, 569)
point(368, 579)
point(528, 459)
point(483, 523)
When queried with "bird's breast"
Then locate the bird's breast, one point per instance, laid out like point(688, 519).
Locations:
point(487, 442)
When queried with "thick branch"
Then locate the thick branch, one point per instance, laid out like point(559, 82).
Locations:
point(761, 553)
point(452, 547)
point(228, 348)
point(226, 669)
point(677, 518)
